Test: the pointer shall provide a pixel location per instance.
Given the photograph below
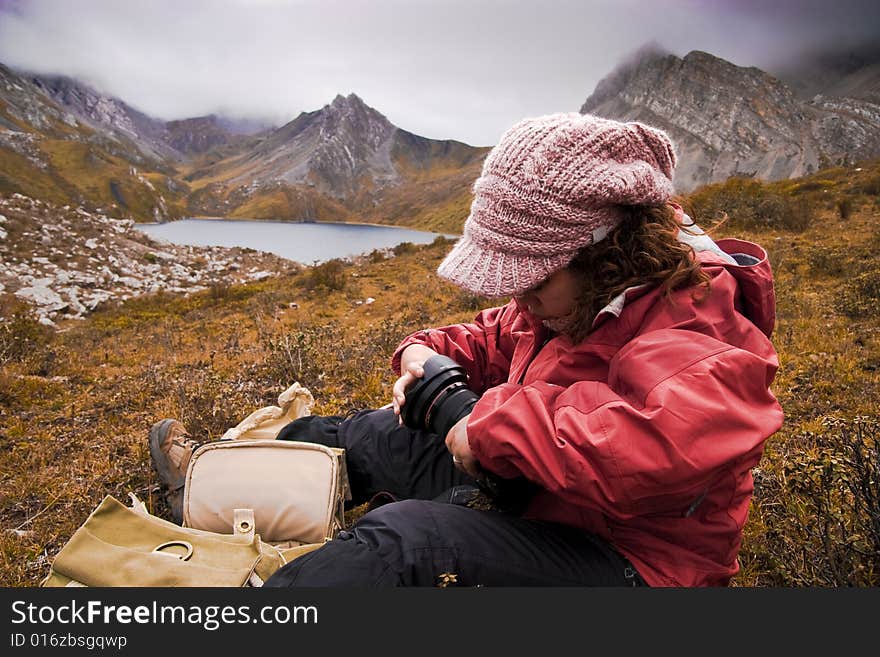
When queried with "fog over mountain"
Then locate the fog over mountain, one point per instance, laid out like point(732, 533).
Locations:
point(448, 69)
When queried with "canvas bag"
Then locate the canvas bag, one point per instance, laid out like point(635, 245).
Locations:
point(296, 490)
point(126, 546)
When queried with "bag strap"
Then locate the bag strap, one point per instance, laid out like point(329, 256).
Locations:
point(343, 494)
point(137, 505)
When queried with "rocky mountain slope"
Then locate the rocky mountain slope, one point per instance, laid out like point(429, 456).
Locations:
point(167, 142)
point(728, 120)
point(339, 162)
point(111, 116)
point(63, 143)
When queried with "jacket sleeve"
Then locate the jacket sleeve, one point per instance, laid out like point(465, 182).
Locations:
point(484, 347)
point(677, 407)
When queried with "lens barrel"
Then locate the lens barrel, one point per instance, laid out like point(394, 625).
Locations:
point(440, 398)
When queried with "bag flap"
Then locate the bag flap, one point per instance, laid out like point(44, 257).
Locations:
point(293, 488)
point(117, 546)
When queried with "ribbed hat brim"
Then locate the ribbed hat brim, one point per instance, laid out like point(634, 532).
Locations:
point(486, 272)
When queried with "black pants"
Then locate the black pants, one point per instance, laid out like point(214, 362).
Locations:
point(425, 539)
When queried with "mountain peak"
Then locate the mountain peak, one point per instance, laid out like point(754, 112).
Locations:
point(701, 58)
point(350, 119)
point(353, 111)
point(333, 148)
point(351, 100)
point(647, 52)
point(651, 56)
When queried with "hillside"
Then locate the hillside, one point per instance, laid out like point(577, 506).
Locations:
point(65, 142)
point(76, 404)
point(343, 162)
point(85, 151)
point(66, 262)
point(729, 120)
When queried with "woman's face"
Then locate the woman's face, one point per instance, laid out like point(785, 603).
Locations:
point(552, 299)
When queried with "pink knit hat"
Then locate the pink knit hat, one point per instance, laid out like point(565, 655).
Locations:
point(551, 186)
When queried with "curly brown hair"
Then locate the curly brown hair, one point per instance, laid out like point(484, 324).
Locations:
point(642, 249)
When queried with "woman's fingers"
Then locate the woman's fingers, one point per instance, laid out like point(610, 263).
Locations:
point(413, 357)
point(410, 375)
point(398, 391)
point(458, 445)
point(412, 369)
point(415, 368)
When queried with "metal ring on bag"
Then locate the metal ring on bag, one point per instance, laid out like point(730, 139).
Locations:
point(184, 544)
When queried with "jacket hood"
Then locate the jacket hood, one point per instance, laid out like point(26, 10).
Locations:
point(755, 277)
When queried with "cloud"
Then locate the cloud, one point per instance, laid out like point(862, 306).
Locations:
point(460, 69)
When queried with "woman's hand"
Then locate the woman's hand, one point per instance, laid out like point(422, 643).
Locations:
point(458, 445)
point(411, 369)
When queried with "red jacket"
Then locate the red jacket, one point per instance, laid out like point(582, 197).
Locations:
point(645, 432)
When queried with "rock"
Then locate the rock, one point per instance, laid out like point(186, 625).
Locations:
point(40, 295)
point(20, 533)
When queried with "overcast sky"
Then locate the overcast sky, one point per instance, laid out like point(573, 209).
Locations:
point(445, 69)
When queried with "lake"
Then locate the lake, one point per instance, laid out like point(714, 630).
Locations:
point(306, 243)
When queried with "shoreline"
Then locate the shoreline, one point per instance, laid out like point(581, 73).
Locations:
point(281, 221)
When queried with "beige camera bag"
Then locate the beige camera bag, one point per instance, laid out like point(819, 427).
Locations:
point(295, 490)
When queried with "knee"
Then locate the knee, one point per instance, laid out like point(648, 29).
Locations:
point(393, 525)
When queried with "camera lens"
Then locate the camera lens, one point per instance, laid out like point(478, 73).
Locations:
point(451, 405)
point(440, 398)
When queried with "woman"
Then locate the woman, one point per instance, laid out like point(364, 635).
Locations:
point(628, 381)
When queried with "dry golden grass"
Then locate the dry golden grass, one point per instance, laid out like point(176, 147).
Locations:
point(21, 176)
point(76, 406)
point(79, 173)
point(298, 203)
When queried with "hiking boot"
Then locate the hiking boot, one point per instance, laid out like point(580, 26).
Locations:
point(170, 451)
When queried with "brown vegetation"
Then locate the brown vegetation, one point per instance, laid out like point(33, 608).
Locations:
point(78, 172)
point(76, 405)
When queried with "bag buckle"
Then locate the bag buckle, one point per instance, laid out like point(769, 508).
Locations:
point(184, 544)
